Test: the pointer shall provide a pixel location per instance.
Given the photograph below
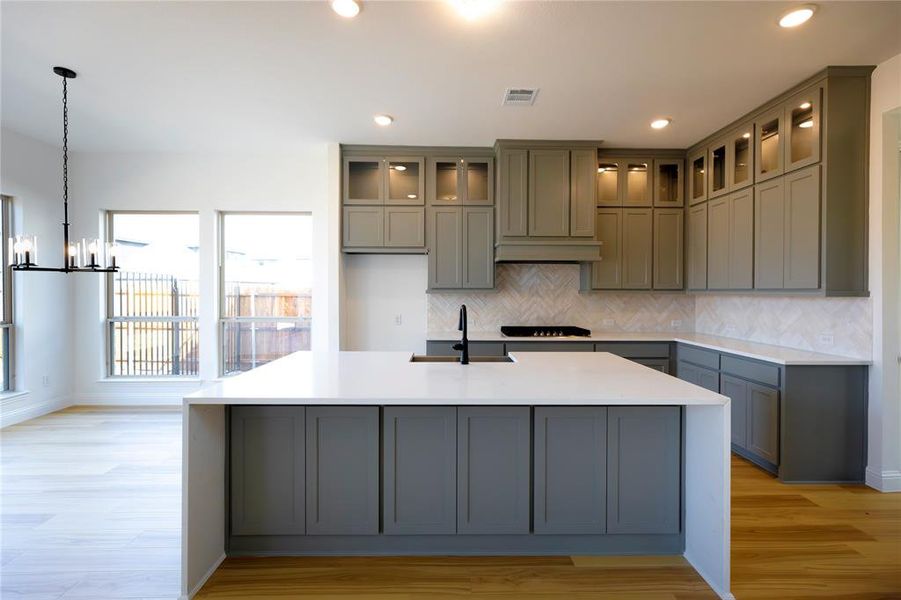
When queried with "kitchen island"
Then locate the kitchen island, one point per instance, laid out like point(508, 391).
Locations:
point(372, 453)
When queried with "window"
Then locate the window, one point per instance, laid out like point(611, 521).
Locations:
point(265, 285)
point(6, 300)
point(153, 299)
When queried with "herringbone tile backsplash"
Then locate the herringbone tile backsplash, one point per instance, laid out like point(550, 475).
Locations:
point(548, 294)
point(542, 294)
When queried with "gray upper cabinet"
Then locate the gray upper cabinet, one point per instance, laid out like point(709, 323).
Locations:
point(549, 193)
point(769, 235)
point(610, 181)
point(267, 470)
point(668, 244)
point(570, 470)
point(802, 229)
point(768, 144)
point(513, 190)
point(445, 240)
point(607, 273)
point(405, 181)
point(643, 446)
point(478, 247)
point(638, 186)
point(741, 154)
point(697, 177)
point(583, 190)
point(364, 179)
point(404, 227)
point(697, 247)
point(420, 470)
point(493, 464)
point(637, 248)
point(802, 129)
point(342, 470)
point(741, 240)
point(719, 161)
point(461, 180)
point(364, 226)
point(668, 183)
point(718, 223)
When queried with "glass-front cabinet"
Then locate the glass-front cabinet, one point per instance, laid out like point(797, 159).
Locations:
point(667, 182)
point(380, 180)
point(768, 141)
point(697, 177)
point(461, 180)
point(363, 180)
point(608, 182)
point(638, 190)
point(802, 139)
point(741, 146)
point(719, 166)
point(404, 182)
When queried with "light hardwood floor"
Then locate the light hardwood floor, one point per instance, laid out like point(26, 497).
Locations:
point(90, 509)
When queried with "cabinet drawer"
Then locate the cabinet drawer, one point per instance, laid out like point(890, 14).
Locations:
point(550, 347)
point(630, 350)
point(705, 358)
point(475, 348)
point(749, 369)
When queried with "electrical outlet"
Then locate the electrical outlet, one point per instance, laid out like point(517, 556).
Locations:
point(608, 323)
point(826, 339)
point(675, 323)
point(398, 319)
point(45, 380)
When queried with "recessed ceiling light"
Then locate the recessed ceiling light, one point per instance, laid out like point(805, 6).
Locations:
point(399, 168)
point(346, 8)
point(383, 120)
point(806, 124)
point(474, 9)
point(746, 135)
point(660, 123)
point(804, 106)
point(797, 16)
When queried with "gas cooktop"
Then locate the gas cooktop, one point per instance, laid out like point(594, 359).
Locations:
point(544, 331)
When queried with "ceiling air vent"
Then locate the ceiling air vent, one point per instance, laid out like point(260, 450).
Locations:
point(520, 96)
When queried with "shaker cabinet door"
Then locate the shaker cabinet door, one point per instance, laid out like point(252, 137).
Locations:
point(668, 244)
point(549, 193)
point(478, 247)
point(763, 422)
point(404, 227)
point(570, 470)
point(513, 192)
point(741, 240)
point(493, 464)
point(802, 229)
point(638, 248)
point(607, 273)
point(342, 477)
point(420, 470)
point(697, 247)
point(643, 449)
point(364, 226)
point(769, 235)
point(445, 240)
point(737, 390)
point(267, 470)
point(583, 171)
point(718, 225)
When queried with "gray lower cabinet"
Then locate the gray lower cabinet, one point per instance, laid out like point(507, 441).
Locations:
point(404, 227)
point(550, 347)
point(697, 247)
point(445, 241)
point(549, 192)
point(570, 470)
point(420, 470)
point(668, 244)
point(342, 457)
point(637, 248)
point(493, 464)
point(442, 348)
point(658, 364)
point(643, 485)
point(700, 376)
point(737, 390)
point(267, 470)
point(763, 422)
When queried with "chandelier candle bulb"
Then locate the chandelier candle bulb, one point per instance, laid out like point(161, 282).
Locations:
point(72, 256)
point(111, 250)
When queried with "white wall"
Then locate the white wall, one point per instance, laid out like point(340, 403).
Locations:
point(884, 470)
point(379, 290)
point(43, 335)
point(206, 184)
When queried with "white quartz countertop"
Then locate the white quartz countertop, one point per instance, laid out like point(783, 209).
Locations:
point(766, 352)
point(389, 378)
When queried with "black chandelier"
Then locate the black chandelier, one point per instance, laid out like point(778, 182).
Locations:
point(86, 256)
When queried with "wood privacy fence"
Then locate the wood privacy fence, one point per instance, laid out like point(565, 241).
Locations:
point(154, 330)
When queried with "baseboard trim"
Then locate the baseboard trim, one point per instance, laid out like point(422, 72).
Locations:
point(130, 399)
point(203, 579)
point(884, 481)
point(20, 408)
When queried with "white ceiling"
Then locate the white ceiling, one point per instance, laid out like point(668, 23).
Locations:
point(270, 76)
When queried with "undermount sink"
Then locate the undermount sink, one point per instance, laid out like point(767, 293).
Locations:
point(455, 359)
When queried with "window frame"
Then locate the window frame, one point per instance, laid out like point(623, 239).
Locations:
point(7, 323)
point(223, 320)
point(109, 283)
